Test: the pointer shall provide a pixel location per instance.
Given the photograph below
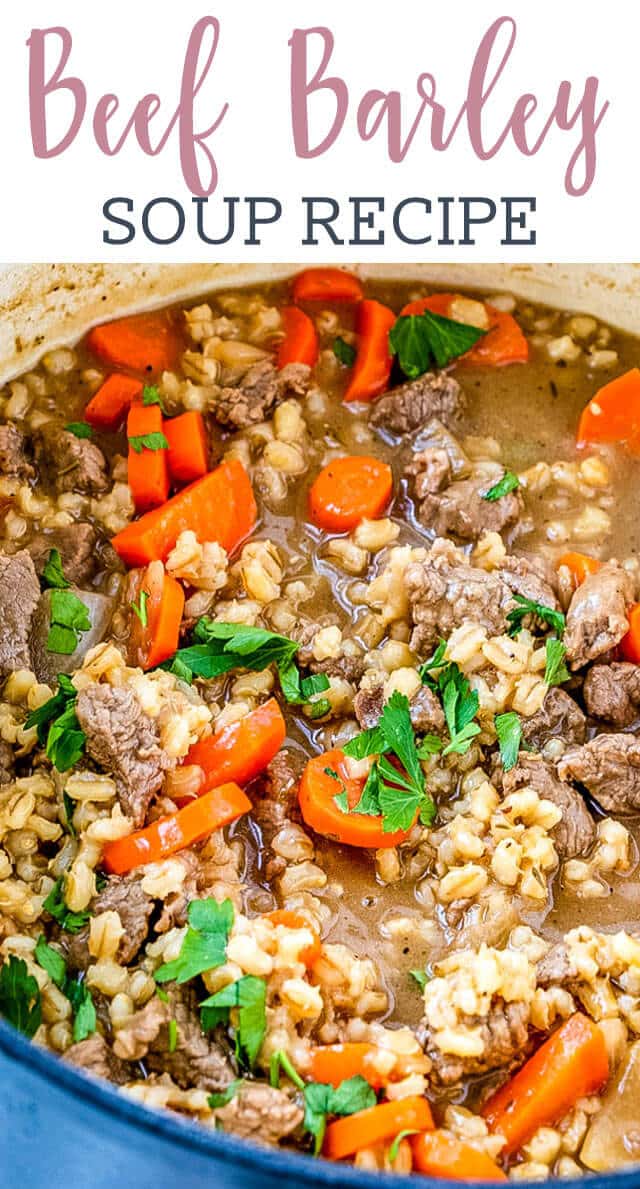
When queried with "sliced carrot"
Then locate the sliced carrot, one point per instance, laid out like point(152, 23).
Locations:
point(613, 414)
point(157, 640)
point(316, 795)
point(580, 565)
point(169, 834)
point(571, 1064)
point(349, 490)
point(144, 343)
point(442, 1154)
point(188, 452)
point(335, 1063)
point(147, 468)
point(630, 644)
point(327, 284)
point(346, 1136)
point(300, 342)
point(108, 407)
point(503, 343)
point(241, 750)
point(296, 920)
point(372, 368)
point(220, 507)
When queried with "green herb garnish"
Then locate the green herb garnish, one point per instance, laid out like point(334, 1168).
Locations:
point(53, 573)
point(320, 1100)
point(151, 396)
point(555, 619)
point(205, 943)
point(420, 977)
point(173, 1036)
point(280, 1062)
point(555, 671)
point(140, 607)
point(421, 341)
point(248, 995)
point(71, 922)
point(509, 482)
point(393, 1149)
point(459, 702)
point(77, 992)
point(344, 352)
point(20, 996)
point(58, 726)
point(225, 1096)
point(69, 618)
point(148, 441)
point(509, 732)
point(80, 429)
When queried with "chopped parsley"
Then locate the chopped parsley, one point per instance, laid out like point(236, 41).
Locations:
point(248, 996)
point(344, 352)
point(548, 615)
point(58, 726)
point(148, 441)
point(53, 573)
point(140, 607)
point(421, 977)
point(396, 793)
point(220, 647)
point(205, 943)
point(173, 1036)
point(51, 961)
point(321, 1100)
point(20, 1002)
point(77, 992)
point(80, 429)
point(151, 396)
point(281, 1063)
point(422, 341)
point(225, 1096)
point(68, 618)
point(555, 671)
point(69, 810)
point(509, 732)
point(508, 483)
point(71, 922)
point(459, 702)
point(393, 1149)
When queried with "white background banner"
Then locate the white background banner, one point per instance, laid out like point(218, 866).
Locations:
point(430, 113)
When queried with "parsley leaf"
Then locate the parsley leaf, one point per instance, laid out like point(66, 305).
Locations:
point(248, 995)
point(58, 726)
point(555, 671)
point(509, 732)
point(555, 619)
point(344, 352)
point(80, 429)
point(225, 1096)
point(148, 441)
point(437, 661)
point(393, 1148)
point(68, 619)
point(53, 573)
point(151, 396)
point(173, 1036)
point(422, 340)
point(509, 482)
point(71, 922)
point(281, 1061)
point(82, 1005)
point(205, 942)
point(51, 961)
point(459, 702)
point(140, 608)
point(320, 1100)
point(420, 977)
point(20, 996)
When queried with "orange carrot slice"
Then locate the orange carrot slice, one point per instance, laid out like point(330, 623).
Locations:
point(327, 284)
point(372, 368)
point(346, 1136)
point(108, 407)
point(188, 450)
point(316, 795)
point(300, 342)
point(144, 343)
point(349, 490)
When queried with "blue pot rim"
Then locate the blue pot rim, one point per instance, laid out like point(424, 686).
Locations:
point(227, 1148)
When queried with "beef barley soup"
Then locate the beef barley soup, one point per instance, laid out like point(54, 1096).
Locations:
point(319, 758)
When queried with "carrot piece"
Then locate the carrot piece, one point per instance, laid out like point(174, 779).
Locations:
point(571, 1064)
point(346, 1136)
point(109, 405)
point(188, 452)
point(173, 833)
point(630, 644)
point(296, 920)
point(336, 1063)
point(613, 414)
point(300, 342)
point(327, 284)
point(242, 749)
point(144, 343)
point(579, 564)
point(503, 343)
point(147, 469)
point(156, 641)
point(372, 368)
point(442, 1154)
point(349, 490)
point(316, 795)
point(220, 507)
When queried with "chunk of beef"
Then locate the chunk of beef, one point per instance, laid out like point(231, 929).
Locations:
point(426, 712)
point(279, 799)
point(70, 463)
point(556, 967)
point(434, 441)
point(410, 406)
point(559, 717)
point(123, 894)
point(505, 1035)
point(210, 870)
point(444, 591)
point(461, 511)
point(77, 545)
point(597, 615)
point(609, 767)
point(141, 1030)
point(348, 665)
point(13, 455)
point(531, 578)
point(94, 1056)
point(575, 833)
point(198, 1059)
point(124, 741)
point(261, 389)
point(261, 1113)
point(19, 597)
point(6, 762)
point(612, 693)
point(430, 471)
